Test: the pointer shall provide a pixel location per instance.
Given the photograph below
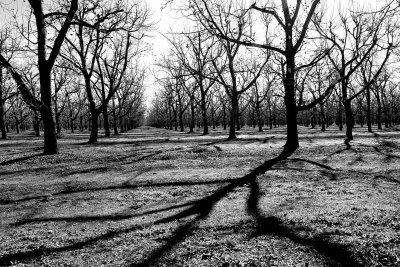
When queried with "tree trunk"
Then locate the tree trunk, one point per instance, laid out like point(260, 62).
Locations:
point(95, 128)
point(106, 121)
point(50, 138)
point(81, 122)
point(71, 120)
point(349, 122)
point(369, 123)
point(58, 127)
point(322, 114)
point(121, 124)
point(270, 118)
point(17, 124)
point(115, 120)
point(224, 119)
point(292, 141)
point(259, 117)
point(192, 116)
point(379, 111)
point(340, 116)
point(313, 118)
point(56, 113)
point(2, 122)
point(204, 114)
point(36, 124)
point(234, 116)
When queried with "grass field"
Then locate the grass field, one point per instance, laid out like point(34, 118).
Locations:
point(163, 198)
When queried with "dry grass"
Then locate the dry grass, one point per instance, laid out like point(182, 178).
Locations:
point(115, 203)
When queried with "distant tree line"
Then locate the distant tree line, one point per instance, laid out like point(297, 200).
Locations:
point(272, 64)
point(76, 65)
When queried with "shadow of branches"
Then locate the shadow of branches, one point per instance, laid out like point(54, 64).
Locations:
point(194, 212)
point(272, 225)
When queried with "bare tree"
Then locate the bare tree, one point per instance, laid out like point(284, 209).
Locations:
point(294, 32)
point(45, 66)
point(353, 44)
point(99, 48)
point(195, 53)
point(7, 45)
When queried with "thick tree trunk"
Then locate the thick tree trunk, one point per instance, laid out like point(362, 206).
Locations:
point(234, 116)
point(49, 127)
point(192, 116)
point(203, 107)
point(349, 122)
point(94, 128)
point(238, 125)
point(292, 141)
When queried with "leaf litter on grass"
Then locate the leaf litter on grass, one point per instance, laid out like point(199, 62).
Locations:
point(130, 183)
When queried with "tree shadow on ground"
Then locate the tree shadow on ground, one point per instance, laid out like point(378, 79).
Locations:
point(125, 185)
point(194, 213)
point(8, 162)
point(200, 209)
point(266, 225)
point(274, 226)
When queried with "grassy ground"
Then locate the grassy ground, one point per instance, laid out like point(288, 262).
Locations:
point(158, 197)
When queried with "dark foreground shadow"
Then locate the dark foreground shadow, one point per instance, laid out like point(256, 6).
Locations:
point(193, 214)
point(272, 225)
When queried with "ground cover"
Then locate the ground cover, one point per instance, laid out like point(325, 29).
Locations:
point(163, 198)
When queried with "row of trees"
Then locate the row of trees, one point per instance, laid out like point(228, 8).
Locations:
point(261, 107)
point(302, 64)
point(80, 62)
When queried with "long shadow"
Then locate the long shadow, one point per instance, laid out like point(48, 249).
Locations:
point(203, 209)
point(111, 217)
point(120, 186)
point(25, 150)
point(274, 226)
point(101, 169)
point(200, 209)
point(25, 170)
point(9, 259)
point(8, 162)
point(321, 165)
